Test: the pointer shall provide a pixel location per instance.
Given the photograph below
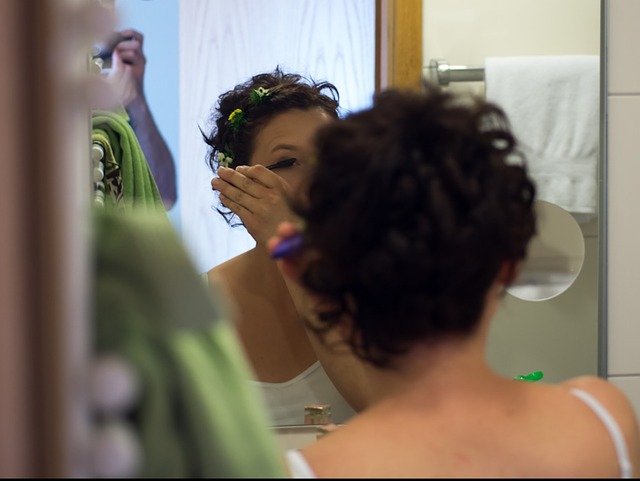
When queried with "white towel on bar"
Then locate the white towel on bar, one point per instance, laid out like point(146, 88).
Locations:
point(553, 105)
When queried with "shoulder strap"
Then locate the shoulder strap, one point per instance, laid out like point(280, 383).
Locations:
point(613, 428)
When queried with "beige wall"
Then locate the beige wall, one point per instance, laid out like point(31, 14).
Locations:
point(465, 32)
point(623, 266)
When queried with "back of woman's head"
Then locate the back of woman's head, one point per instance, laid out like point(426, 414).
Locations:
point(414, 206)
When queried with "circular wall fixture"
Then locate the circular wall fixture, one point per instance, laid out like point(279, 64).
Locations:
point(555, 256)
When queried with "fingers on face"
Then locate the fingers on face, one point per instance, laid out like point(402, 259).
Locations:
point(242, 193)
point(260, 174)
point(235, 183)
point(234, 206)
point(234, 197)
point(246, 183)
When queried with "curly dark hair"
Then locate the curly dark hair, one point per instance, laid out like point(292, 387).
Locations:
point(414, 205)
point(287, 91)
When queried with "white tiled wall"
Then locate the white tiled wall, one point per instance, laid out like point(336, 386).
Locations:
point(623, 184)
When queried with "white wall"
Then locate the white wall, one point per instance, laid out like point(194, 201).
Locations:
point(623, 267)
point(465, 32)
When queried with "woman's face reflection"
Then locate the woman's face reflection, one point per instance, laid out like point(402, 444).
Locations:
point(289, 135)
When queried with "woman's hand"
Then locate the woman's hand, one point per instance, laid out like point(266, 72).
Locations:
point(289, 263)
point(128, 66)
point(257, 196)
point(346, 371)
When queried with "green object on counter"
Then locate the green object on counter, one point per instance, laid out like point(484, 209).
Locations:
point(531, 377)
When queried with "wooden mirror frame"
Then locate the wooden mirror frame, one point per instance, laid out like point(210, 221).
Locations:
point(398, 29)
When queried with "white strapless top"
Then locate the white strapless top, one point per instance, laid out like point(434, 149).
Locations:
point(286, 400)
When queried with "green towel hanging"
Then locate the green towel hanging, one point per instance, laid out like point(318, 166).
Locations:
point(124, 157)
point(196, 416)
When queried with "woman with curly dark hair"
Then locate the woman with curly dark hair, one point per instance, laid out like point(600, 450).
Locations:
point(259, 148)
point(418, 215)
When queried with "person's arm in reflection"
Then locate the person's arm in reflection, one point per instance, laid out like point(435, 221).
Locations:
point(262, 204)
point(129, 61)
point(345, 370)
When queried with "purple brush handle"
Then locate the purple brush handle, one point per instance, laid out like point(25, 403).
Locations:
point(288, 246)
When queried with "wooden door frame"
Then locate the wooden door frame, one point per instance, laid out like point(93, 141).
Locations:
point(398, 44)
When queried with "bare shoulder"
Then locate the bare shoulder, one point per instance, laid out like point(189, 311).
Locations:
point(222, 269)
point(224, 274)
point(222, 282)
point(616, 402)
point(607, 393)
point(216, 279)
point(214, 276)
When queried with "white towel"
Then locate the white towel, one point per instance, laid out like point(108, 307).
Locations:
point(553, 105)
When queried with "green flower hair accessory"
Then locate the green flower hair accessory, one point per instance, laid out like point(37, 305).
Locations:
point(224, 159)
point(236, 118)
point(259, 94)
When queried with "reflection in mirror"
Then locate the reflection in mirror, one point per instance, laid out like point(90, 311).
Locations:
point(560, 335)
point(555, 255)
point(224, 42)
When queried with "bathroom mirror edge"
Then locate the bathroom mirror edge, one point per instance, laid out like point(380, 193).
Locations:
point(603, 283)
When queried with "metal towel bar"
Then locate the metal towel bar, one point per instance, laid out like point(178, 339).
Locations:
point(441, 72)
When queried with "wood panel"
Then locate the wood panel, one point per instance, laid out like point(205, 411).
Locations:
point(398, 43)
point(44, 187)
point(16, 433)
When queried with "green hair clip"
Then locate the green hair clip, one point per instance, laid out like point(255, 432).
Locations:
point(531, 377)
point(236, 118)
point(259, 94)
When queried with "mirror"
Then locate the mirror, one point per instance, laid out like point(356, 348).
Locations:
point(555, 256)
point(221, 43)
point(558, 336)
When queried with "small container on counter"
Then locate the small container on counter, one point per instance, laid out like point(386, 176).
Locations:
point(318, 413)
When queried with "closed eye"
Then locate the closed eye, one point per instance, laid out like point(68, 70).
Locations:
point(282, 163)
